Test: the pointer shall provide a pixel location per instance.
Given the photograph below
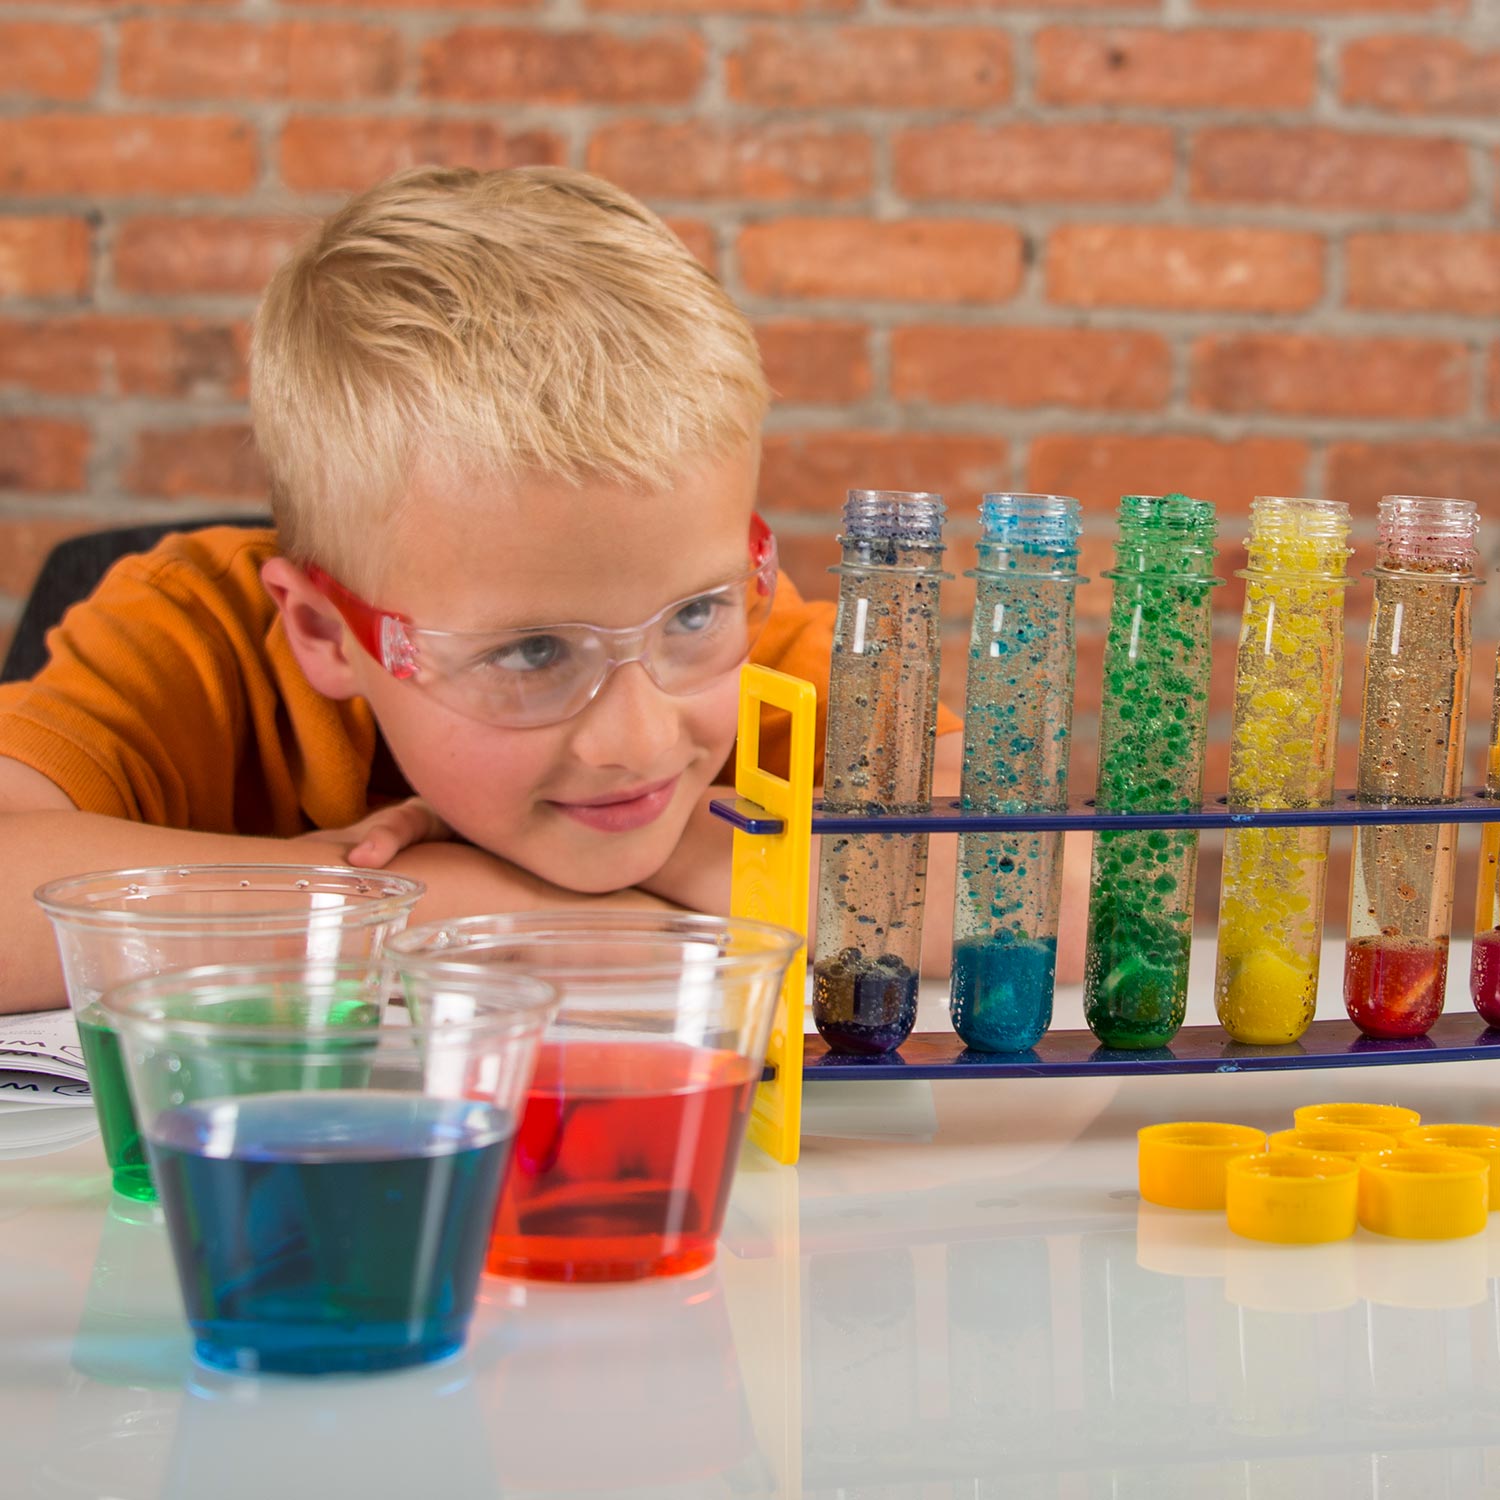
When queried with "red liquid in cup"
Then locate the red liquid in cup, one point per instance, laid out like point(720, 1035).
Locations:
point(623, 1162)
point(1393, 987)
point(1484, 976)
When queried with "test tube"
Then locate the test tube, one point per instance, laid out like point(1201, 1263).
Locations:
point(1017, 726)
point(1411, 745)
point(1153, 727)
point(882, 725)
point(1288, 677)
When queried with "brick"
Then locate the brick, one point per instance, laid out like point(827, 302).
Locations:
point(182, 255)
point(1421, 75)
point(482, 63)
point(1035, 163)
point(1413, 271)
point(1004, 5)
point(699, 239)
point(810, 471)
point(39, 60)
point(174, 59)
point(1301, 8)
point(216, 461)
point(426, 5)
point(124, 154)
point(806, 559)
point(1327, 169)
point(1492, 380)
point(45, 257)
point(322, 152)
point(724, 7)
point(822, 362)
point(1362, 472)
point(1294, 375)
point(699, 159)
point(1100, 467)
point(42, 454)
point(886, 67)
point(1188, 268)
point(90, 355)
point(911, 260)
point(1116, 370)
point(1186, 68)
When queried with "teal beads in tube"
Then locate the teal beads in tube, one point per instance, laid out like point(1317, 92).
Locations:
point(1017, 725)
point(1153, 728)
point(882, 726)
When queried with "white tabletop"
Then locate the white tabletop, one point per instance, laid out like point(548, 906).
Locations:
point(973, 1305)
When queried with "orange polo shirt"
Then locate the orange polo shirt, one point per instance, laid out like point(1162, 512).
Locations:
point(172, 697)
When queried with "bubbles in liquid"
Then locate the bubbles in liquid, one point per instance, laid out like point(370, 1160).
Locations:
point(303, 885)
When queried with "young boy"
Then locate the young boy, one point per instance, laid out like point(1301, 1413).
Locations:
point(489, 404)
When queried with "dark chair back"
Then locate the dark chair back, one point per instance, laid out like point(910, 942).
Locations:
point(72, 572)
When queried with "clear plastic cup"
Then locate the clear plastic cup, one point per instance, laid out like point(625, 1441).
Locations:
point(643, 1085)
point(328, 1168)
point(119, 925)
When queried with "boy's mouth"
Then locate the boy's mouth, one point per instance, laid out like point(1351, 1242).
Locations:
point(622, 812)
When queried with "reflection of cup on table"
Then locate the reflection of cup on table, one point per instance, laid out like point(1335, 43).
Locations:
point(126, 924)
point(653, 1367)
point(626, 1151)
point(327, 1181)
point(416, 1434)
point(131, 1331)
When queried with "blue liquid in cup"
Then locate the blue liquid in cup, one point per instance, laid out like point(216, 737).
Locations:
point(321, 1232)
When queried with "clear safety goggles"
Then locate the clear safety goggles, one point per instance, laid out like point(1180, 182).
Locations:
point(542, 674)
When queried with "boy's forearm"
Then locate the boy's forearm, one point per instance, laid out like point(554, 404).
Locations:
point(43, 846)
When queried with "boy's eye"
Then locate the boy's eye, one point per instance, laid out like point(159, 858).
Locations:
point(532, 653)
point(696, 616)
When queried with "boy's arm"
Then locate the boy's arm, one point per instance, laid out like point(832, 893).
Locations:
point(44, 839)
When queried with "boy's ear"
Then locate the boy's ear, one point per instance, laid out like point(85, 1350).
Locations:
point(314, 629)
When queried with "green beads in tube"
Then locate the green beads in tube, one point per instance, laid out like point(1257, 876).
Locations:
point(1152, 735)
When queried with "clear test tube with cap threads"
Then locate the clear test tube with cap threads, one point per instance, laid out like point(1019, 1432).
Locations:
point(882, 726)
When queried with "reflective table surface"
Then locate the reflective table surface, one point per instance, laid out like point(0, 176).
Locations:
point(956, 1293)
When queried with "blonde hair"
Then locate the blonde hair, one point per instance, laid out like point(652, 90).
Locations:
point(536, 321)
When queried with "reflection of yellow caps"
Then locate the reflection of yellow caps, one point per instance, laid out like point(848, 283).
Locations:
point(1292, 1198)
point(1423, 1273)
point(1389, 1119)
point(1174, 1244)
point(1423, 1193)
point(1182, 1165)
point(1291, 1278)
point(1475, 1140)
point(1330, 1140)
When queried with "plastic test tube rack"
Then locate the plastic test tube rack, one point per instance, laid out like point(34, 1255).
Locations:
point(773, 819)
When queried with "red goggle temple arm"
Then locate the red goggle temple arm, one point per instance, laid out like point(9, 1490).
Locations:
point(365, 622)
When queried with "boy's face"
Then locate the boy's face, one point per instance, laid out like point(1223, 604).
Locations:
point(597, 802)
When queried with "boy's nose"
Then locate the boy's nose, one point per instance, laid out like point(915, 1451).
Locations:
point(631, 723)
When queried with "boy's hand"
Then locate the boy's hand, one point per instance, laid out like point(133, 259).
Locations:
point(375, 841)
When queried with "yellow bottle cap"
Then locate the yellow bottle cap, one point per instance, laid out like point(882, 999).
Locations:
point(1389, 1119)
point(1292, 1198)
point(1330, 1140)
point(1423, 1193)
point(1476, 1140)
point(1181, 1165)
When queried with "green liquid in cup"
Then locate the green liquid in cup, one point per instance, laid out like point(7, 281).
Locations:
point(123, 1147)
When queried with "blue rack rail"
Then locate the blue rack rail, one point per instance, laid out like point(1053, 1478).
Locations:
point(1195, 1049)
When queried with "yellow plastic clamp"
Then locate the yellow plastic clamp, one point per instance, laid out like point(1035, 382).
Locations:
point(1292, 1197)
point(769, 882)
point(1181, 1165)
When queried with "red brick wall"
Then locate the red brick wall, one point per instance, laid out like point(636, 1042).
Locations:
point(1227, 246)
